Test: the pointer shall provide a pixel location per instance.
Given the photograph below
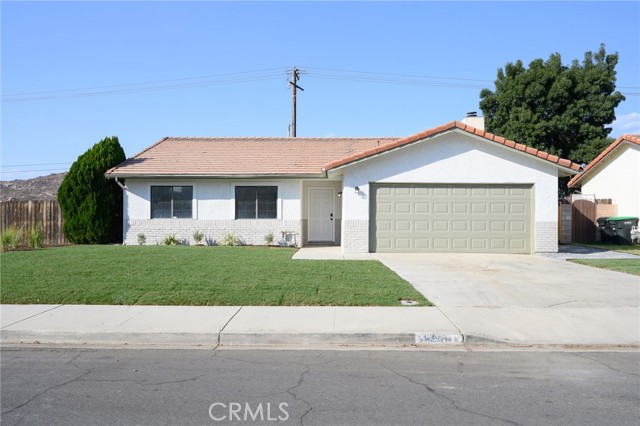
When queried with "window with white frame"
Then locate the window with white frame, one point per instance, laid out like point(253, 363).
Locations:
point(171, 202)
point(256, 202)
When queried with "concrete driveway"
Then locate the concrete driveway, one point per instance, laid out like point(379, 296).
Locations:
point(489, 280)
point(518, 298)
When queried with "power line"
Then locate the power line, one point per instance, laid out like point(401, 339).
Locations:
point(33, 170)
point(394, 81)
point(255, 76)
point(80, 94)
point(208, 76)
point(32, 165)
point(396, 75)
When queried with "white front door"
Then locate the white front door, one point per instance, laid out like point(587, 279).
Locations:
point(321, 226)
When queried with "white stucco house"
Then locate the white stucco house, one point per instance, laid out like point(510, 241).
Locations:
point(453, 188)
point(614, 174)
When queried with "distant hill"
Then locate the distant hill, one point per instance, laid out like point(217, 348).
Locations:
point(38, 188)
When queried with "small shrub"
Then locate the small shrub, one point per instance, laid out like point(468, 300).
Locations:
point(35, 236)
point(198, 237)
point(171, 240)
point(268, 239)
point(230, 240)
point(142, 239)
point(10, 238)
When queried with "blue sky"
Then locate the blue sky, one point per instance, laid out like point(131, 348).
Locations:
point(75, 72)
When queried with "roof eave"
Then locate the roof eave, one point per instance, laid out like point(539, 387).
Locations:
point(113, 175)
point(596, 165)
point(566, 171)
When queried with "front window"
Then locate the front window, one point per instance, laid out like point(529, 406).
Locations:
point(171, 202)
point(256, 202)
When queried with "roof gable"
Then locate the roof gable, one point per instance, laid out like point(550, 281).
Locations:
point(593, 166)
point(453, 125)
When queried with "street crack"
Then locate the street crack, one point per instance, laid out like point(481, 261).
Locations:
point(296, 397)
point(448, 399)
point(606, 365)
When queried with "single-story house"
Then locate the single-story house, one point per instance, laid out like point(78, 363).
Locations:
point(453, 188)
point(614, 174)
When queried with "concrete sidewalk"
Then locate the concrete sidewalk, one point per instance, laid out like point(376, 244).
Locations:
point(225, 325)
point(185, 326)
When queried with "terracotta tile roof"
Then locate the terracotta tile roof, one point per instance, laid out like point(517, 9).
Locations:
point(197, 156)
point(445, 128)
point(633, 139)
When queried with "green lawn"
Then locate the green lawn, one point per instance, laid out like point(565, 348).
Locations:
point(631, 249)
point(628, 266)
point(184, 275)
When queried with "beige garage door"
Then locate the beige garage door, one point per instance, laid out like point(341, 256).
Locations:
point(451, 218)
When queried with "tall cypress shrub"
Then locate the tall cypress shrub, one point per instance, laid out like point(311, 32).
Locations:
point(88, 199)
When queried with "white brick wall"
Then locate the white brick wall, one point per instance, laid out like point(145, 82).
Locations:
point(251, 232)
point(565, 238)
point(355, 236)
point(546, 237)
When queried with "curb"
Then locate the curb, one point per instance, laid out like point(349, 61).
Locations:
point(227, 339)
point(283, 338)
point(110, 339)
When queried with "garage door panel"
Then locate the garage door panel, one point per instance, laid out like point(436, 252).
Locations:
point(403, 208)
point(441, 208)
point(498, 225)
point(421, 225)
point(460, 208)
point(422, 207)
point(479, 244)
point(440, 225)
point(517, 208)
point(403, 225)
point(478, 225)
point(422, 244)
point(385, 225)
point(498, 243)
point(451, 218)
point(384, 244)
point(384, 207)
point(460, 243)
point(441, 243)
point(517, 226)
point(459, 226)
point(498, 208)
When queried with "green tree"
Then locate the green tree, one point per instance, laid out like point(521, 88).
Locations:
point(88, 200)
point(560, 109)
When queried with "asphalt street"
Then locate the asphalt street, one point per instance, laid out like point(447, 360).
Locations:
point(56, 386)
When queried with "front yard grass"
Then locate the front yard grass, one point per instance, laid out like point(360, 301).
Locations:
point(185, 275)
point(628, 266)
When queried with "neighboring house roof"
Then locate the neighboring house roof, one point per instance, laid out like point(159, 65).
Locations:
point(220, 157)
point(597, 162)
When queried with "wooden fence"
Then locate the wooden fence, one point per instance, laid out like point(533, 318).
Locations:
point(45, 213)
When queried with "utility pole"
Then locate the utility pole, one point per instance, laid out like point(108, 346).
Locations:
point(294, 85)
